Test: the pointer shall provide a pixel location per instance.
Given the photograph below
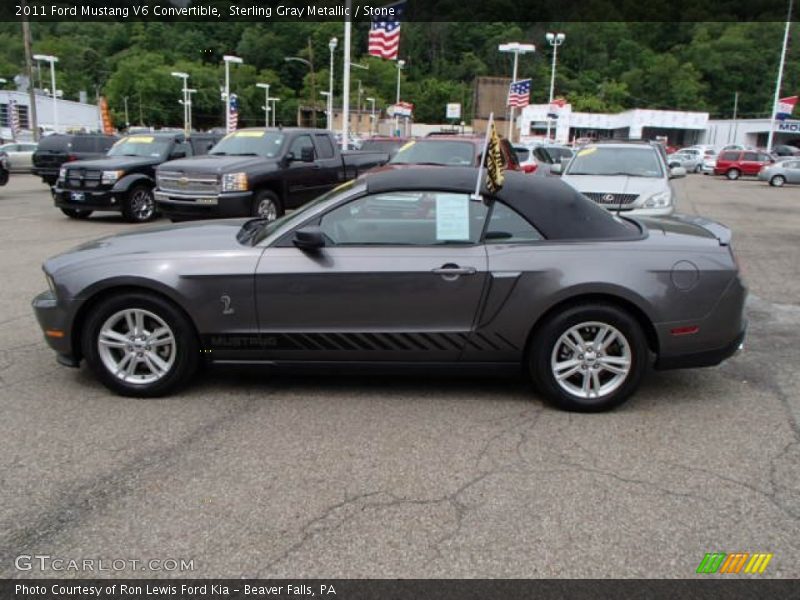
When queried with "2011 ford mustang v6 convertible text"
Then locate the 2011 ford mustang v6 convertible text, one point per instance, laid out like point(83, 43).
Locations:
point(403, 268)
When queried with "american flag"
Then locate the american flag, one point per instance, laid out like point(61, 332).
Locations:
point(14, 112)
point(785, 107)
point(519, 93)
point(233, 115)
point(384, 36)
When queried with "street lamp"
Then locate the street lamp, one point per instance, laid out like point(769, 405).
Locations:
point(332, 47)
point(400, 65)
point(371, 116)
point(265, 87)
point(328, 109)
point(313, 85)
point(185, 102)
point(273, 101)
point(127, 121)
point(228, 59)
point(516, 49)
point(189, 103)
point(555, 40)
point(52, 60)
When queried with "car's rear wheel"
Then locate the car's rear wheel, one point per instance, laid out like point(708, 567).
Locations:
point(777, 181)
point(75, 213)
point(266, 205)
point(139, 206)
point(733, 174)
point(698, 169)
point(589, 358)
point(140, 345)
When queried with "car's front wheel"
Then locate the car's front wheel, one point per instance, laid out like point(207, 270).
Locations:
point(139, 206)
point(589, 358)
point(733, 174)
point(266, 205)
point(140, 345)
point(777, 181)
point(75, 213)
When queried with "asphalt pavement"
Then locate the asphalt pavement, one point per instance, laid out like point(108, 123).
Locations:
point(247, 474)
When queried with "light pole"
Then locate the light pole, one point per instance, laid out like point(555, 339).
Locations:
point(328, 108)
point(189, 93)
point(127, 121)
point(313, 85)
point(52, 60)
point(272, 101)
point(400, 65)
point(516, 49)
point(265, 87)
point(371, 116)
point(228, 59)
point(555, 40)
point(185, 102)
point(332, 47)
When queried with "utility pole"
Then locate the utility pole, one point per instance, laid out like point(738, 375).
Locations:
point(779, 80)
point(26, 37)
point(313, 85)
point(127, 120)
point(735, 110)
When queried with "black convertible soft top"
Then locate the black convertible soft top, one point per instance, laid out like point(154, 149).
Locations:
point(557, 210)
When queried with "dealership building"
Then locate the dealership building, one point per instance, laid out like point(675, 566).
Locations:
point(751, 132)
point(72, 116)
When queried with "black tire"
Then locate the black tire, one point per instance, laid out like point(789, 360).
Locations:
point(733, 174)
point(3, 177)
point(51, 181)
point(698, 169)
point(76, 213)
point(544, 350)
point(777, 181)
point(266, 204)
point(185, 352)
point(138, 205)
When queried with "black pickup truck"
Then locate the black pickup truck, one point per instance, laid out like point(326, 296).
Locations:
point(124, 179)
point(258, 172)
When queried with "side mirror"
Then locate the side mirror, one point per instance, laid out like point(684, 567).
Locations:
point(309, 238)
point(307, 154)
point(677, 172)
point(556, 168)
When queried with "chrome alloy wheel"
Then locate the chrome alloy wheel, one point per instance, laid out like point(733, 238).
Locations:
point(591, 360)
point(267, 209)
point(136, 346)
point(142, 204)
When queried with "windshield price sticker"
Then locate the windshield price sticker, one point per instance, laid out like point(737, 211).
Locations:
point(586, 151)
point(254, 134)
point(140, 139)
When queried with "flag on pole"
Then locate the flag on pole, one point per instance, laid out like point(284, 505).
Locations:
point(14, 112)
point(384, 36)
point(519, 93)
point(494, 162)
point(555, 107)
point(785, 107)
point(233, 116)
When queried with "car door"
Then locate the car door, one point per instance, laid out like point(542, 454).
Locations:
point(300, 176)
point(329, 171)
point(750, 163)
point(792, 170)
point(400, 278)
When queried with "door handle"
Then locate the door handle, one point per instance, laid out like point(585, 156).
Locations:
point(452, 270)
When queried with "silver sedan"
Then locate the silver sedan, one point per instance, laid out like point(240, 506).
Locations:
point(782, 172)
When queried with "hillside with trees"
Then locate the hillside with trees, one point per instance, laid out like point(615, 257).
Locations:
point(601, 67)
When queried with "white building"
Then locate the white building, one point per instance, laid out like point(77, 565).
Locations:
point(678, 127)
point(72, 116)
point(751, 132)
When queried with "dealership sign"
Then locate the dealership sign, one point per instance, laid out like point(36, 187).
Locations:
point(789, 126)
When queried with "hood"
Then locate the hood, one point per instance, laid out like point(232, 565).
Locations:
point(192, 239)
point(217, 164)
point(616, 184)
point(112, 163)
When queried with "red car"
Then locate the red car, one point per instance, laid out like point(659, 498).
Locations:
point(735, 163)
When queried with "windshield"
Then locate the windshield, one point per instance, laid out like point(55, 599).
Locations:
point(439, 152)
point(522, 153)
point(148, 146)
point(263, 229)
point(596, 160)
point(250, 143)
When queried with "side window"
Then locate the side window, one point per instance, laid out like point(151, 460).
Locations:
point(729, 156)
point(764, 158)
point(300, 142)
point(542, 155)
point(750, 156)
point(507, 226)
point(184, 147)
point(419, 218)
point(324, 146)
point(83, 144)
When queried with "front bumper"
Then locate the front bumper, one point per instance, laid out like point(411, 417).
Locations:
point(92, 199)
point(222, 206)
point(55, 324)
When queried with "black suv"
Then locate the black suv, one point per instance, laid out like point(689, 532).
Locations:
point(124, 179)
point(54, 150)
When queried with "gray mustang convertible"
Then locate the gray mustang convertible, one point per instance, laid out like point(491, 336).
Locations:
point(406, 269)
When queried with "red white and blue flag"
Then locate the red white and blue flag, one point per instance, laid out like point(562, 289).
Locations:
point(785, 107)
point(14, 121)
point(233, 114)
point(519, 93)
point(384, 36)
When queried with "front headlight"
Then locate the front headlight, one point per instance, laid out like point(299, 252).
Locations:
point(234, 182)
point(109, 177)
point(660, 200)
point(50, 282)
